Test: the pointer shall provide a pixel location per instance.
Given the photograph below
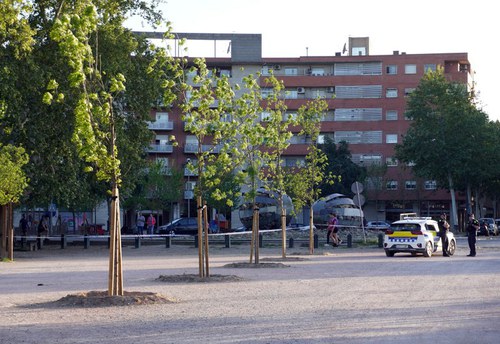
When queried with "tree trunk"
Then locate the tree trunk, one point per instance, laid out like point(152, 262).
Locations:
point(311, 230)
point(115, 280)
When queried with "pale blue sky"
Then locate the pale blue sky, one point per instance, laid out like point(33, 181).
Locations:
point(292, 28)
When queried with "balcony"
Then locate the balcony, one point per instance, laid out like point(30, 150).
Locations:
point(193, 148)
point(161, 148)
point(163, 125)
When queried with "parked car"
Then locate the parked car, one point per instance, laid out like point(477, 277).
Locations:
point(183, 225)
point(416, 235)
point(492, 226)
point(378, 225)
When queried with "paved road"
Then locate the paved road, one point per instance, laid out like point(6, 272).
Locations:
point(335, 296)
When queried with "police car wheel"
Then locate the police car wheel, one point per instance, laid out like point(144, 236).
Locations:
point(452, 246)
point(428, 249)
point(389, 253)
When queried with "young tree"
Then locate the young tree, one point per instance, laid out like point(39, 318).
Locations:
point(98, 90)
point(205, 112)
point(277, 139)
point(304, 183)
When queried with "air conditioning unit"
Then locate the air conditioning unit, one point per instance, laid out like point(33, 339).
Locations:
point(331, 89)
point(301, 90)
point(277, 67)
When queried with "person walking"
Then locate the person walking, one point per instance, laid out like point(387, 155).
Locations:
point(332, 230)
point(444, 228)
point(472, 228)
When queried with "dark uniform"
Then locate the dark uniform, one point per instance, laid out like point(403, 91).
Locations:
point(444, 228)
point(472, 228)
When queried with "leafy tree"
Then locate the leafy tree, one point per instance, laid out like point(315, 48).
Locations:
point(303, 182)
point(341, 165)
point(445, 140)
point(96, 86)
point(205, 112)
point(277, 139)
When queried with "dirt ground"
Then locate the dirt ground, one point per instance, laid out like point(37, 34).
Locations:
point(334, 296)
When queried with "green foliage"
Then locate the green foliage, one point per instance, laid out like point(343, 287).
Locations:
point(303, 181)
point(14, 180)
point(340, 165)
point(446, 136)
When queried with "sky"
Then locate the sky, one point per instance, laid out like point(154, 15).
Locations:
point(292, 28)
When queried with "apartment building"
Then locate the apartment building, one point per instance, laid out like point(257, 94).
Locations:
point(366, 95)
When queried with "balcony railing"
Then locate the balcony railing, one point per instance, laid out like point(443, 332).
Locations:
point(164, 125)
point(161, 148)
point(193, 148)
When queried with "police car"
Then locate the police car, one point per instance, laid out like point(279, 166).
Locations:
point(416, 235)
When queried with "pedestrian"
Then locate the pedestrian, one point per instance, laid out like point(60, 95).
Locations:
point(332, 230)
point(141, 220)
point(23, 225)
point(151, 223)
point(472, 228)
point(43, 227)
point(444, 228)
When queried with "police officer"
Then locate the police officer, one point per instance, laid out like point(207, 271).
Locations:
point(444, 227)
point(472, 228)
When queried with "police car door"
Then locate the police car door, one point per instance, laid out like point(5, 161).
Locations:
point(434, 231)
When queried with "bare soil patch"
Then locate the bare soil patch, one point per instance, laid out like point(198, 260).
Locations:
point(102, 299)
point(191, 278)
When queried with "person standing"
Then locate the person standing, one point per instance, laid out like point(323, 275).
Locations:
point(472, 228)
point(23, 225)
point(444, 228)
point(141, 220)
point(151, 223)
point(43, 227)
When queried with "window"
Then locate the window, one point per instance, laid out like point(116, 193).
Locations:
point(391, 138)
point(225, 72)
point(294, 162)
point(357, 137)
point(291, 94)
point(363, 68)
point(391, 115)
point(392, 185)
point(430, 185)
point(411, 185)
point(411, 69)
point(391, 69)
point(291, 71)
point(289, 115)
point(391, 93)
point(408, 91)
point(358, 114)
point(317, 71)
point(429, 67)
point(266, 92)
point(162, 117)
point(361, 91)
point(391, 162)
point(264, 116)
point(358, 51)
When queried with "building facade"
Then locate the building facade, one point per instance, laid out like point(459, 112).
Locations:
point(366, 95)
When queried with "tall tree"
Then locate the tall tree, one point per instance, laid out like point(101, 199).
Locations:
point(340, 165)
point(95, 84)
point(445, 140)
